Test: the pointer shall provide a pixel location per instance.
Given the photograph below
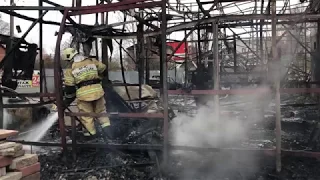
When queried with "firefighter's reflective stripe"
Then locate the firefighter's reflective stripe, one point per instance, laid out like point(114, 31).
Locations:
point(69, 81)
point(86, 75)
point(89, 91)
point(68, 78)
point(85, 70)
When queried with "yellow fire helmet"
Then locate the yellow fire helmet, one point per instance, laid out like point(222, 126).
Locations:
point(68, 54)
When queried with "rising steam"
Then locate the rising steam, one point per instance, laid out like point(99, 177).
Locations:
point(229, 131)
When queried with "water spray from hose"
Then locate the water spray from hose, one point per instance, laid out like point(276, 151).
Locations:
point(39, 130)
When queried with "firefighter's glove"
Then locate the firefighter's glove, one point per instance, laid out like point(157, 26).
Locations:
point(67, 102)
point(69, 96)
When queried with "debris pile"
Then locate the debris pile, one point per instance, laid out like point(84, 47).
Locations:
point(14, 163)
point(92, 163)
point(96, 164)
point(238, 168)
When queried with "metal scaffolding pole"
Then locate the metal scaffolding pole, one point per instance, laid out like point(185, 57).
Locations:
point(12, 21)
point(58, 82)
point(147, 60)
point(164, 81)
point(42, 73)
point(261, 34)
point(275, 62)
point(305, 50)
point(198, 22)
point(216, 68)
point(180, 23)
point(235, 53)
point(104, 44)
point(185, 58)
point(140, 57)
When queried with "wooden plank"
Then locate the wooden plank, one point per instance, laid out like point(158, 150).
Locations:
point(4, 134)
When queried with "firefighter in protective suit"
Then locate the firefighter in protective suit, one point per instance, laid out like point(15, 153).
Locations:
point(83, 80)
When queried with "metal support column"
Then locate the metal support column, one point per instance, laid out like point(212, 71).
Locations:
point(199, 42)
point(313, 67)
point(149, 44)
point(216, 68)
point(96, 41)
point(275, 62)
point(42, 74)
point(140, 57)
point(305, 51)
point(58, 83)
point(12, 21)
point(256, 28)
point(234, 53)
point(78, 4)
point(164, 82)
point(261, 34)
point(185, 62)
point(105, 56)
point(185, 58)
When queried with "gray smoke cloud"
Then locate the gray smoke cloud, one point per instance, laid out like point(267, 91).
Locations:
point(205, 130)
point(233, 129)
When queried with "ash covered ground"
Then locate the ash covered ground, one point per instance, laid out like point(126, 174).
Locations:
point(247, 123)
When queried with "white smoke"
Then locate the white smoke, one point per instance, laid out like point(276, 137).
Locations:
point(229, 131)
point(204, 130)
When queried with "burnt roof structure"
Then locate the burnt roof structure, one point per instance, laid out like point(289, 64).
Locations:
point(263, 35)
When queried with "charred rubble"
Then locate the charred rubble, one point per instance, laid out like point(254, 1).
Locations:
point(91, 163)
point(215, 49)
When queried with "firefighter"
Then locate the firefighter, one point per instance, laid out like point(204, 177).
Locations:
point(83, 80)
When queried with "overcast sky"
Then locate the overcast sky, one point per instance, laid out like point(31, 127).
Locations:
point(49, 30)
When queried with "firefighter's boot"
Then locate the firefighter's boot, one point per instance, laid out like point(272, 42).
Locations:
point(87, 136)
point(108, 133)
point(91, 138)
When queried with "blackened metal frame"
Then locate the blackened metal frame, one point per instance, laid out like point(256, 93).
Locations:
point(102, 9)
point(163, 31)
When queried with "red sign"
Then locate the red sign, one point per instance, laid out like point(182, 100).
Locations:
point(181, 52)
point(35, 80)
